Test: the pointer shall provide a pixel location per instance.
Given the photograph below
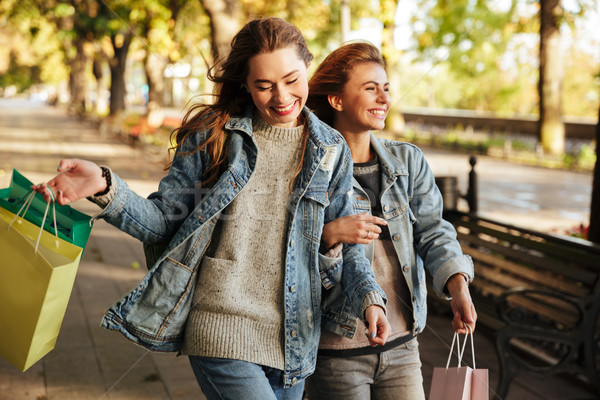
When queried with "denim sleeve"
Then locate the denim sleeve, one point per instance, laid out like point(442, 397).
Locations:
point(358, 279)
point(434, 237)
point(157, 218)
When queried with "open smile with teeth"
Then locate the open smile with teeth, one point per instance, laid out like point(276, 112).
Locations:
point(286, 108)
point(379, 113)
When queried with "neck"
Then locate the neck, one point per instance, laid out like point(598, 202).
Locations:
point(360, 146)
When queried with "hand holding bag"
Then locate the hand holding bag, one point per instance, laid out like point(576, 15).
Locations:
point(69, 224)
point(460, 383)
point(37, 273)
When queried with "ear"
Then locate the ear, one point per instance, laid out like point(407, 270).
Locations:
point(335, 102)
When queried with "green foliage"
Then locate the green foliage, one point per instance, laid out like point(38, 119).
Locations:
point(30, 52)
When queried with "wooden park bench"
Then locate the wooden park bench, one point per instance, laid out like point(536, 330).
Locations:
point(539, 294)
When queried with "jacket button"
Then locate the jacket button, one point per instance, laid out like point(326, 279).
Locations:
point(292, 288)
point(292, 243)
point(405, 268)
point(396, 237)
point(294, 380)
point(293, 334)
point(386, 208)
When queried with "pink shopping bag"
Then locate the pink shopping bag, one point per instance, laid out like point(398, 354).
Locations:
point(459, 383)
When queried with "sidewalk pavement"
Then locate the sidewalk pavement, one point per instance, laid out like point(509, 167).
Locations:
point(89, 362)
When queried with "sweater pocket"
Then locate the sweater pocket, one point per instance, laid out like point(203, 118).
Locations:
point(224, 286)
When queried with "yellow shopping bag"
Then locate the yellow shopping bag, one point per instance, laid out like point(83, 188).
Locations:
point(37, 273)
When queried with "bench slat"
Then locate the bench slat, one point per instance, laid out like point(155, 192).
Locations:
point(532, 278)
point(562, 252)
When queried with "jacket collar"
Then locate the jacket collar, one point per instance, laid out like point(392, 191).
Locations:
point(390, 164)
point(319, 132)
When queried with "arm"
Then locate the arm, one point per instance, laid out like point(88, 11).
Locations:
point(358, 281)
point(152, 220)
point(434, 237)
point(437, 246)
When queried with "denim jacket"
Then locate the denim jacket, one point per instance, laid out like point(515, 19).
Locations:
point(180, 217)
point(412, 206)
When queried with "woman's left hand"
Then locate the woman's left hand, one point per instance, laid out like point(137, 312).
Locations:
point(379, 327)
point(462, 305)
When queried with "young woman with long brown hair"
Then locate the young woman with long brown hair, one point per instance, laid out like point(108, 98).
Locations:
point(239, 217)
point(399, 220)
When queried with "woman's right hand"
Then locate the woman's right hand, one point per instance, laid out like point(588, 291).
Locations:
point(357, 228)
point(77, 179)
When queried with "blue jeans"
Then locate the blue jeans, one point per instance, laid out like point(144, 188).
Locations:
point(221, 379)
point(394, 374)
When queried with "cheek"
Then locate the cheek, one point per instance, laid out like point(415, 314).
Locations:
point(303, 91)
point(260, 99)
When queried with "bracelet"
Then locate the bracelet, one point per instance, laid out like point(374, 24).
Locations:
point(107, 176)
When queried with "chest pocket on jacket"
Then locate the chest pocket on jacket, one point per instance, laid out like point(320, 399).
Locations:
point(313, 205)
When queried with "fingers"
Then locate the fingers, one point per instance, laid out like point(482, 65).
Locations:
point(61, 199)
point(43, 189)
point(462, 322)
point(371, 219)
point(66, 164)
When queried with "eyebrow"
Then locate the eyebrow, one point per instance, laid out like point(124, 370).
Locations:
point(285, 77)
point(374, 83)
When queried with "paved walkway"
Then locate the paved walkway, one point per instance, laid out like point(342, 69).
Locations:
point(92, 363)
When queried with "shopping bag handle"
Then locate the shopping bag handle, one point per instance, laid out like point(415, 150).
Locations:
point(460, 351)
point(28, 200)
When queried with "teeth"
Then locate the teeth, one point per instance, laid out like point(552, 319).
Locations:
point(284, 109)
point(378, 112)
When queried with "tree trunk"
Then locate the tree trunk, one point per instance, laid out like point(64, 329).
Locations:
point(594, 232)
point(154, 66)
point(345, 20)
point(551, 126)
point(117, 72)
point(77, 81)
point(225, 16)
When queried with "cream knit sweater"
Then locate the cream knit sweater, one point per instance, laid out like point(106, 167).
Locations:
point(237, 310)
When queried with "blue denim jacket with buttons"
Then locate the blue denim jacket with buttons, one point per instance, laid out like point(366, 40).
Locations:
point(180, 217)
point(412, 206)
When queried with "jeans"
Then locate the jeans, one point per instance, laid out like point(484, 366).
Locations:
point(394, 374)
point(221, 379)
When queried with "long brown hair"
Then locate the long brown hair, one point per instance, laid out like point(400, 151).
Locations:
point(258, 36)
point(333, 73)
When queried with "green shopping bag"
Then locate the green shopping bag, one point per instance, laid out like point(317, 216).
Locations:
point(37, 273)
point(73, 226)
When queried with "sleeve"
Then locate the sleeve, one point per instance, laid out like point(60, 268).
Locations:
point(434, 237)
point(358, 279)
point(157, 218)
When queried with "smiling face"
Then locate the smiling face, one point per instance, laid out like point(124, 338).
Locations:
point(278, 84)
point(365, 101)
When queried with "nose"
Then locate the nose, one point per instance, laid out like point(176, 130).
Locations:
point(281, 94)
point(383, 96)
